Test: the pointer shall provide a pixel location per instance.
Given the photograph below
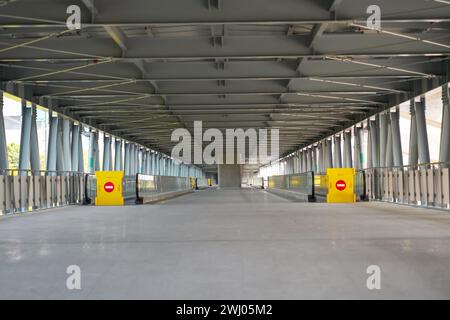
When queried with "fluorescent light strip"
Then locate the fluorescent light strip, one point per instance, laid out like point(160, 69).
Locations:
point(334, 97)
point(380, 66)
point(442, 1)
point(396, 34)
point(355, 85)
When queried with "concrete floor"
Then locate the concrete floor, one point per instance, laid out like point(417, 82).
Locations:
point(229, 244)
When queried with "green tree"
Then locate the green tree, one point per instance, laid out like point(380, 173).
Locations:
point(13, 155)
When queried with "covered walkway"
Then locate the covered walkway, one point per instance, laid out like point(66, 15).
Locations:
point(227, 244)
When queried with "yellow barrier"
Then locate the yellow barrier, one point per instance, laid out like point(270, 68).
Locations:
point(109, 188)
point(210, 182)
point(341, 186)
point(193, 182)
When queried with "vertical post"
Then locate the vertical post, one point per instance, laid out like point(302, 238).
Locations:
point(369, 146)
point(118, 155)
point(97, 152)
point(309, 160)
point(158, 164)
point(76, 137)
point(24, 155)
point(397, 139)
point(66, 144)
point(127, 159)
point(383, 138)
point(304, 161)
point(136, 159)
point(314, 166)
point(329, 155)
point(348, 163)
point(80, 150)
point(144, 161)
point(413, 149)
point(149, 162)
point(107, 158)
point(422, 137)
point(321, 160)
point(338, 152)
point(35, 160)
point(164, 166)
point(152, 163)
point(389, 158)
point(3, 145)
point(374, 143)
point(295, 161)
point(358, 153)
point(59, 146)
point(132, 159)
point(94, 152)
point(52, 145)
point(444, 153)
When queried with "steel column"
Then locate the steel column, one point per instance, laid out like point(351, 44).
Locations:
point(75, 147)
point(413, 149)
point(358, 152)
point(107, 157)
point(118, 155)
point(52, 144)
point(369, 146)
point(157, 164)
point(348, 162)
point(149, 162)
point(144, 161)
point(153, 164)
point(374, 144)
point(24, 154)
point(127, 159)
point(444, 153)
point(397, 139)
point(314, 166)
point(59, 146)
point(304, 161)
point(328, 155)
point(94, 163)
point(321, 160)
point(389, 157)
point(3, 145)
point(383, 138)
point(422, 136)
point(66, 148)
point(80, 150)
point(338, 152)
point(132, 160)
point(35, 161)
point(161, 167)
point(308, 160)
point(136, 159)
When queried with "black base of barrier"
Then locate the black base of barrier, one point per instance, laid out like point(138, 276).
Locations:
point(363, 197)
point(312, 198)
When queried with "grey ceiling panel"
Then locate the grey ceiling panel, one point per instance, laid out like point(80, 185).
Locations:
point(141, 68)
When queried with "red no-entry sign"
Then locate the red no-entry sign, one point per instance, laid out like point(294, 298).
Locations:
point(109, 187)
point(341, 185)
